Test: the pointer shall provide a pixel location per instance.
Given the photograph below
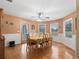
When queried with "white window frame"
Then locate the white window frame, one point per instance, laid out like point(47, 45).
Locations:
point(52, 24)
point(70, 19)
point(39, 27)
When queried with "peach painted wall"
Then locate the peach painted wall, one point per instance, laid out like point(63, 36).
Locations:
point(17, 21)
point(60, 22)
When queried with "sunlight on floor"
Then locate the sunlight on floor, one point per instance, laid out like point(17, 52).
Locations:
point(54, 52)
point(68, 56)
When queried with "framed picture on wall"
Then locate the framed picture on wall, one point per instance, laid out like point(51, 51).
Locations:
point(11, 23)
point(6, 22)
point(33, 27)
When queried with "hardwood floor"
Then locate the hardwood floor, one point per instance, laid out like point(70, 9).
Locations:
point(57, 51)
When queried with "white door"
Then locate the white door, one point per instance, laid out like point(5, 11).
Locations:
point(24, 32)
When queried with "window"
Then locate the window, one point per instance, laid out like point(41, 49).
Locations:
point(68, 28)
point(42, 28)
point(54, 28)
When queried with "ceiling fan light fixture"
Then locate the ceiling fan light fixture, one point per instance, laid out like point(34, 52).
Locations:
point(40, 14)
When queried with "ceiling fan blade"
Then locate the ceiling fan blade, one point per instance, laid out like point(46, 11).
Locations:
point(47, 17)
point(10, 0)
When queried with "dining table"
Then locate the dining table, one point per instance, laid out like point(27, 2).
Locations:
point(35, 37)
point(39, 40)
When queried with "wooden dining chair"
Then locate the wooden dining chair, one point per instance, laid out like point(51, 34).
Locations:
point(27, 41)
point(33, 44)
point(44, 40)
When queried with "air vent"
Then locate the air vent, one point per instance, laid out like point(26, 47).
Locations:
point(9, 0)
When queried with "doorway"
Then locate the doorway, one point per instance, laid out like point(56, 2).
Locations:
point(24, 32)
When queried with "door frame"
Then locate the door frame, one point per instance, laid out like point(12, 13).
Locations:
point(27, 25)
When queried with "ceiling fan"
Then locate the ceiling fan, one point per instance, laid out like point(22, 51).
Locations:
point(40, 15)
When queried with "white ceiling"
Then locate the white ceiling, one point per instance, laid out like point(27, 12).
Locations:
point(30, 8)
